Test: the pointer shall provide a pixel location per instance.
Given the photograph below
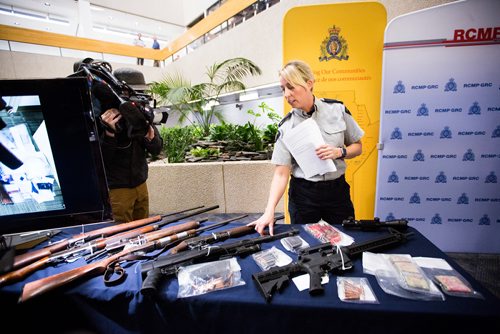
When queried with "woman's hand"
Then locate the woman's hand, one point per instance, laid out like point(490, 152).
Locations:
point(325, 152)
point(278, 186)
point(267, 219)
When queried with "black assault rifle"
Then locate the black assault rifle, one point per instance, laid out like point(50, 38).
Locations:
point(169, 264)
point(319, 260)
point(375, 224)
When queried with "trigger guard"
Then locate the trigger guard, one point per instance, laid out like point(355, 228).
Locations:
point(111, 272)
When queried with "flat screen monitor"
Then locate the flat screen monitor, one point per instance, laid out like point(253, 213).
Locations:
point(51, 169)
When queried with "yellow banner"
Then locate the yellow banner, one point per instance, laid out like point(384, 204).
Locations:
point(343, 44)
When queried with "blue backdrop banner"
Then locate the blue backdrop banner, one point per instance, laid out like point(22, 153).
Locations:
point(439, 158)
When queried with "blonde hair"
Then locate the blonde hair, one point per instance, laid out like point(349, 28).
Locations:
point(297, 73)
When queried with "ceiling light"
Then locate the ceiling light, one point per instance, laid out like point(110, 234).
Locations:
point(99, 9)
point(34, 16)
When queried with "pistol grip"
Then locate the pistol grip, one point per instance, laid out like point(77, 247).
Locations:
point(315, 277)
point(151, 282)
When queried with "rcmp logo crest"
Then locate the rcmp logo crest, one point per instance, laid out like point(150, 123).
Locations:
point(451, 86)
point(334, 46)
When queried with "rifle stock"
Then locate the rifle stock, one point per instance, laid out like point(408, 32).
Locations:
point(21, 273)
point(29, 257)
point(44, 285)
point(25, 259)
point(41, 286)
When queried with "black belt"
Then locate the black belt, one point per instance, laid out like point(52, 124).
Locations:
point(311, 184)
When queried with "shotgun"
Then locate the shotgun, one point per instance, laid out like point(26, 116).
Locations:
point(50, 283)
point(73, 241)
point(94, 247)
point(206, 240)
point(21, 273)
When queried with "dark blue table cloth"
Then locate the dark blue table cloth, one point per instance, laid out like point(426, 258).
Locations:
point(90, 305)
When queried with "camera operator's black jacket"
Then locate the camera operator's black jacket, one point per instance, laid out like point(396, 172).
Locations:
point(125, 159)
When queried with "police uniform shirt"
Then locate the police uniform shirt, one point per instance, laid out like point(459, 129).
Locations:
point(337, 126)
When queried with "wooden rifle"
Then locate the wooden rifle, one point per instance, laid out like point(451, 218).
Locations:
point(47, 284)
point(85, 237)
point(206, 240)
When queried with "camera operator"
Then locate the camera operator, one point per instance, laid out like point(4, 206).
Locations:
point(125, 155)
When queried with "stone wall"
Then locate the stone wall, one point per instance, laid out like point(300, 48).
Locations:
point(234, 186)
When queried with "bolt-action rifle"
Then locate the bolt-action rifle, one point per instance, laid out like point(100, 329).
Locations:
point(319, 260)
point(108, 266)
point(375, 224)
point(72, 243)
point(168, 265)
point(206, 240)
point(74, 253)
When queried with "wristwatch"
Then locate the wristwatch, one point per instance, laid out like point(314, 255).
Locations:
point(344, 152)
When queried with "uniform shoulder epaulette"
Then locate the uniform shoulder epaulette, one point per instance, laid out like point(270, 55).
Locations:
point(287, 116)
point(331, 101)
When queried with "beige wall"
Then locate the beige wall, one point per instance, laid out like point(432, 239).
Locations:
point(246, 40)
point(23, 65)
point(260, 40)
point(234, 186)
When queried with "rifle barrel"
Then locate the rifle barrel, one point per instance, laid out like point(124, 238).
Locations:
point(29, 257)
point(217, 236)
point(46, 284)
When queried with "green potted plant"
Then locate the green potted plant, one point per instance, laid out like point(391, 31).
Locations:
point(201, 99)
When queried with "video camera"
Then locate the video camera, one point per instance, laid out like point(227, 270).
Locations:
point(110, 92)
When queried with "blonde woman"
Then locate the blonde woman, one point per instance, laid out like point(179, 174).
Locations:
point(317, 197)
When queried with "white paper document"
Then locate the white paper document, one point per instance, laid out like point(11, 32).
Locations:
point(432, 262)
point(302, 142)
point(302, 282)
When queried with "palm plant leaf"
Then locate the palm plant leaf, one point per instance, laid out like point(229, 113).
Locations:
point(233, 69)
point(174, 90)
point(230, 86)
